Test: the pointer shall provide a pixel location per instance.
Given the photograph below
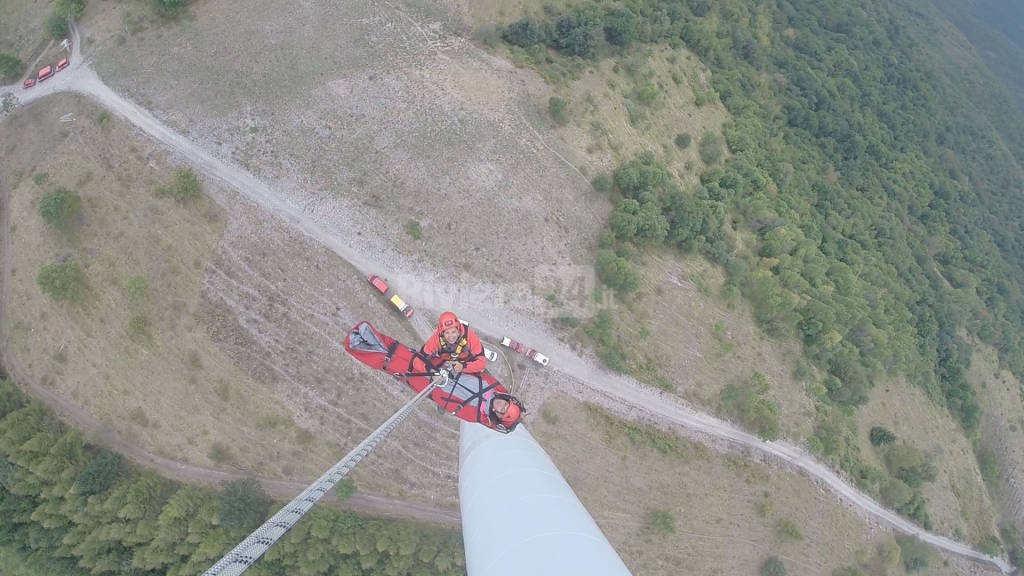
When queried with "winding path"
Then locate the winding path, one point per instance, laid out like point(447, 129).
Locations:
point(79, 77)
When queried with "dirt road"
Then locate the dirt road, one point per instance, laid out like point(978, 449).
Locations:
point(578, 373)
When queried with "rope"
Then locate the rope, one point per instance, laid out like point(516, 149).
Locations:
point(249, 550)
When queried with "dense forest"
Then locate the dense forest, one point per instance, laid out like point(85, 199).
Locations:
point(71, 508)
point(880, 178)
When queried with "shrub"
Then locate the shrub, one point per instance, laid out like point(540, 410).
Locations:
point(10, 67)
point(880, 436)
point(683, 141)
point(602, 183)
point(72, 8)
point(559, 110)
point(138, 328)
point(60, 207)
point(620, 26)
point(243, 504)
point(184, 187)
point(772, 566)
point(910, 464)
point(915, 554)
point(62, 281)
point(170, 8)
point(136, 288)
point(523, 33)
point(57, 26)
point(789, 530)
point(219, 453)
point(750, 405)
point(710, 148)
point(616, 272)
point(412, 228)
point(988, 463)
point(647, 94)
point(345, 488)
point(661, 522)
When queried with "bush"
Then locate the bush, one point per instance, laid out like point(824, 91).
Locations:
point(772, 566)
point(559, 110)
point(683, 141)
point(62, 281)
point(750, 405)
point(57, 27)
point(915, 554)
point(616, 272)
point(523, 33)
point(170, 8)
point(910, 464)
point(72, 8)
point(412, 228)
point(10, 67)
point(880, 436)
point(661, 522)
point(243, 504)
point(344, 489)
point(710, 148)
point(789, 530)
point(60, 207)
point(138, 329)
point(184, 187)
point(602, 183)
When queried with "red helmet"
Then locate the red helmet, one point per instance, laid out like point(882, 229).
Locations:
point(511, 415)
point(448, 320)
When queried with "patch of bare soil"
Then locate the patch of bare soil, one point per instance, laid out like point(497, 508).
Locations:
point(368, 116)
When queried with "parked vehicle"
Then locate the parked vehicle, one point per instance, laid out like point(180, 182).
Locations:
point(378, 283)
point(526, 351)
point(62, 64)
point(29, 82)
point(402, 306)
point(45, 73)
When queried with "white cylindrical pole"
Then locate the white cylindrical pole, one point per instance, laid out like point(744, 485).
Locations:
point(519, 516)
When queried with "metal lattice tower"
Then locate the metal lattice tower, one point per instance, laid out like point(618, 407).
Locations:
point(249, 550)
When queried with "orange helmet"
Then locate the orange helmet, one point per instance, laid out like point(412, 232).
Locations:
point(448, 320)
point(511, 415)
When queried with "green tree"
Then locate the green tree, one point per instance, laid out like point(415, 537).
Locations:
point(62, 281)
point(620, 26)
point(60, 208)
point(772, 566)
point(10, 67)
point(880, 436)
point(616, 272)
point(170, 8)
point(916, 555)
point(57, 26)
point(99, 474)
point(71, 8)
point(710, 148)
point(750, 404)
point(243, 504)
point(559, 110)
point(524, 33)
